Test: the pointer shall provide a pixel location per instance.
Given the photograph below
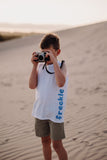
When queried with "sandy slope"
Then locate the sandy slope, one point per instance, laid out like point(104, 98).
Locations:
point(85, 52)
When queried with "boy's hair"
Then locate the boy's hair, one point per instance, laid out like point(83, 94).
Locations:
point(50, 40)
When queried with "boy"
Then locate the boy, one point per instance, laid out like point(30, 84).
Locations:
point(50, 80)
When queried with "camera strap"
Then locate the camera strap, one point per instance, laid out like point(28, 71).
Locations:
point(44, 66)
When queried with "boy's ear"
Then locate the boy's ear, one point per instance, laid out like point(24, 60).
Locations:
point(58, 51)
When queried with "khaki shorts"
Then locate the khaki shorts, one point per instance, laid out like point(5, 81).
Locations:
point(45, 128)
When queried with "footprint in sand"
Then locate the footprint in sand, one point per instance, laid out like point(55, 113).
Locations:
point(4, 142)
point(74, 139)
point(6, 84)
point(105, 131)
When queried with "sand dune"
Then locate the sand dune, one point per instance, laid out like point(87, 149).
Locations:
point(85, 52)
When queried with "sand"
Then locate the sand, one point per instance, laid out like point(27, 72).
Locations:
point(85, 52)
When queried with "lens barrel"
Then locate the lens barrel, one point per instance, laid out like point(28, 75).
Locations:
point(40, 58)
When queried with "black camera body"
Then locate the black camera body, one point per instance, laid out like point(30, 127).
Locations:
point(42, 57)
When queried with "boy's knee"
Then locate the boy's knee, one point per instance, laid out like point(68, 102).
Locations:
point(57, 145)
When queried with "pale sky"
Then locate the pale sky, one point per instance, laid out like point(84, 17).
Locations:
point(70, 12)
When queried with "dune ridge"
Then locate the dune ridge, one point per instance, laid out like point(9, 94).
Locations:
point(85, 52)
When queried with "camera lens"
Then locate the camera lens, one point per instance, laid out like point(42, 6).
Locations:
point(40, 57)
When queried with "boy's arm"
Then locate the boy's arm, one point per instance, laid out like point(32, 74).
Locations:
point(33, 80)
point(60, 74)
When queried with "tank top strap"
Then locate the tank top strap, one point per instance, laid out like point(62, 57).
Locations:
point(44, 66)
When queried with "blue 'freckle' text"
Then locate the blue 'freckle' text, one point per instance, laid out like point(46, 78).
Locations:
point(60, 105)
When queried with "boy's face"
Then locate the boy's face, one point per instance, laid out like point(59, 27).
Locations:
point(51, 50)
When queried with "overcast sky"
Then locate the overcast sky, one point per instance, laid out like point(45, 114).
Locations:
point(71, 12)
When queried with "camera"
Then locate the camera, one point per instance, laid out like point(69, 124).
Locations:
point(42, 57)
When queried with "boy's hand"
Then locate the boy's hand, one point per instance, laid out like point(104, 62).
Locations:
point(34, 58)
point(52, 57)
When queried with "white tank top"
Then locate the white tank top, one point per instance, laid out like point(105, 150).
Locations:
point(50, 100)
